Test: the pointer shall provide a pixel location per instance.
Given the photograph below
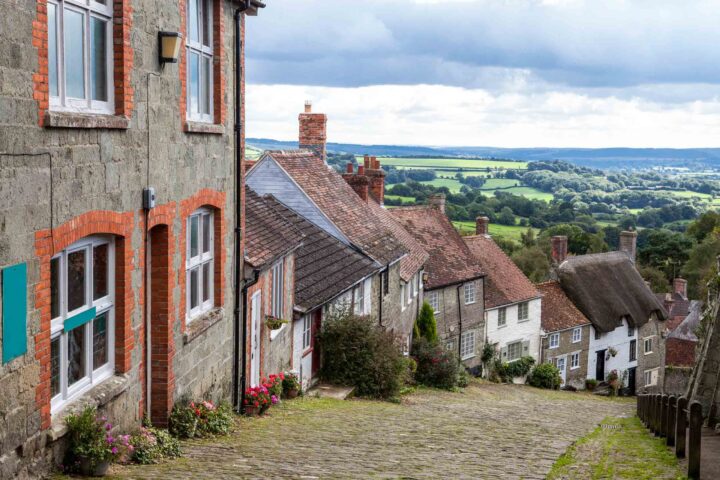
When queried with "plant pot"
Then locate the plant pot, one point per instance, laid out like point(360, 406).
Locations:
point(252, 410)
point(264, 409)
point(88, 467)
point(290, 394)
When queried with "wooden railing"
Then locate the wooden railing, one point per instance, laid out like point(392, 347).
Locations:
point(680, 424)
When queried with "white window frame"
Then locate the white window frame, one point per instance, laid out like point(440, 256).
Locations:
point(277, 295)
point(307, 333)
point(645, 345)
point(631, 331)
point(469, 293)
point(574, 360)
point(554, 340)
point(509, 357)
point(89, 9)
point(467, 345)
point(416, 284)
point(433, 299)
point(577, 335)
point(362, 297)
point(523, 312)
point(502, 317)
point(198, 262)
point(632, 353)
point(205, 21)
point(102, 305)
point(651, 377)
point(450, 345)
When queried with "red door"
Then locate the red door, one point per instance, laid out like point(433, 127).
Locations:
point(317, 320)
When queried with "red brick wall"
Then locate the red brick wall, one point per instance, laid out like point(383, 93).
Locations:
point(122, 57)
point(680, 353)
point(47, 244)
point(313, 132)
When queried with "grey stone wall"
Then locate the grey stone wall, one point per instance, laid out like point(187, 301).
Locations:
point(676, 380)
point(654, 360)
point(394, 318)
point(574, 377)
point(94, 169)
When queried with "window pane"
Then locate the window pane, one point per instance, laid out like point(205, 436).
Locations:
point(193, 24)
point(206, 234)
point(207, 24)
point(52, 49)
point(207, 85)
point(74, 54)
point(100, 271)
point(194, 288)
point(55, 288)
point(194, 74)
point(206, 282)
point(76, 280)
point(76, 354)
point(194, 221)
point(54, 366)
point(98, 59)
point(100, 341)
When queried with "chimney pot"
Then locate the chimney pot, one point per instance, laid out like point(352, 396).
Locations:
point(361, 169)
point(628, 243)
point(366, 161)
point(680, 287)
point(437, 200)
point(559, 248)
point(308, 106)
point(481, 225)
point(349, 168)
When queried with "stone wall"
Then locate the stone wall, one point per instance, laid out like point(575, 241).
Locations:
point(654, 361)
point(574, 377)
point(676, 380)
point(394, 317)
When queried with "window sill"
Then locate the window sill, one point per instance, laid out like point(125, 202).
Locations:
point(202, 323)
point(468, 357)
point(85, 120)
point(523, 321)
point(200, 127)
point(98, 396)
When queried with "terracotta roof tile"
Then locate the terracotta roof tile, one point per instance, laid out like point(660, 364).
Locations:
point(505, 282)
point(268, 235)
point(339, 202)
point(450, 260)
point(558, 311)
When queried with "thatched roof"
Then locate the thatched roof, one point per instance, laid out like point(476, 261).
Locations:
point(607, 287)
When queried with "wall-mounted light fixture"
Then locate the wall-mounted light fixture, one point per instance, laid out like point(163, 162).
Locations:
point(169, 51)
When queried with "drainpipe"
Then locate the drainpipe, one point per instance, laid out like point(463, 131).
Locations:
point(457, 291)
point(381, 295)
point(239, 400)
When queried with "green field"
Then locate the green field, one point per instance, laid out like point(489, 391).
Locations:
point(450, 163)
point(452, 184)
point(400, 197)
point(505, 231)
point(492, 183)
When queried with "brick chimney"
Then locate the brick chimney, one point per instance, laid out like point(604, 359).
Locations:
point(359, 182)
point(437, 200)
point(481, 225)
point(559, 248)
point(628, 243)
point(375, 173)
point(313, 131)
point(680, 287)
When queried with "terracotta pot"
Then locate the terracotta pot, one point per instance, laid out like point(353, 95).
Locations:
point(252, 410)
point(89, 468)
point(290, 394)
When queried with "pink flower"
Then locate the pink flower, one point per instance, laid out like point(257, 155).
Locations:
point(274, 399)
point(114, 450)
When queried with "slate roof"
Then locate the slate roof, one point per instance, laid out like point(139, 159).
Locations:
point(339, 202)
point(681, 342)
point(450, 260)
point(558, 311)
point(679, 308)
point(324, 266)
point(268, 236)
point(505, 282)
point(686, 329)
point(607, 287)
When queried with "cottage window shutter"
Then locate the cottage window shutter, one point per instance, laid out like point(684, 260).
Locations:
point(367, 291)
point(14, 312)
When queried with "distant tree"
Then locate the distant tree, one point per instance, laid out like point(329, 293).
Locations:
point(656, 277)
point(612, 236)
point(506, 216)
point(506, 245)
point(663, 249)
point(426, 324)
point(700, 266)
point(533, 262)
point(528, 238)
point(704, 225)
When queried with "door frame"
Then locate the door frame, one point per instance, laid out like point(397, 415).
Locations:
point(563, 372)
point(255, 327)
point(600, 360)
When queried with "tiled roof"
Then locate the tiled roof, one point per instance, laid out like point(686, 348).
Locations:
point(558, 312)
point(324, 266)
point(450, 259)
point(339, 202)
point(268, 235)
point(677, 308)
point(505, 282)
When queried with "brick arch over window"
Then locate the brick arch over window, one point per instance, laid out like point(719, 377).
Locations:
point(122, 59)
point(48, 243)
point(216, 201)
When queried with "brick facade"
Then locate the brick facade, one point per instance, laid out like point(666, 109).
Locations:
point(313, 131)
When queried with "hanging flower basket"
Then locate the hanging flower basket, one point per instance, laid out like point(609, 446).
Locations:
point(612, 352)
point(274, 323)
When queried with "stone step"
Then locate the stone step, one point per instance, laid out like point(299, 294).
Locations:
point(325, 390)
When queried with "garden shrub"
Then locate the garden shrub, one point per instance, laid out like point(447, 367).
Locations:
point(545, 375)
point(426, 324)
point(359, 353)
point(436, 366)
point(152, 444)
point(188, 420)
point(505, 371)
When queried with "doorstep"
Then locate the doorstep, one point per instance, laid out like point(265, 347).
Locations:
point(325, 390)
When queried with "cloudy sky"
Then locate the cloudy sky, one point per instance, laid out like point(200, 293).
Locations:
point(505, 73)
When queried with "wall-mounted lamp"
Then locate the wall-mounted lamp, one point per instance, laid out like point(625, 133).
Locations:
point(169, 51)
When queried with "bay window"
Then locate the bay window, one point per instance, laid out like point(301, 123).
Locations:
point(80, 55)
point(199, 60)
point(199, 263)
point(83, 318)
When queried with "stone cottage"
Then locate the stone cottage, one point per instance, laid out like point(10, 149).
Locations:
point(120, 209)
point(455, 279)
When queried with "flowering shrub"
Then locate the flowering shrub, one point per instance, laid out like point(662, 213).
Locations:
point(275, 384)
point(149, 445)
point(91, 441)
point(188, 420)
point(259, 397)
point(436, 366)
point(290, 382)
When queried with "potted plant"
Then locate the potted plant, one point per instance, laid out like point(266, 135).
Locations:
point(291, 385)
point(613, 380)
point(274, 323)
point(612, 352)
point(258, 398)
point(92, 446)
point(275, 384)
point(590, 384)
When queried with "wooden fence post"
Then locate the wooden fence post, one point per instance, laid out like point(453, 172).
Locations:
point(663, 415)
point(712, 417)
point(672, 414)
point(696, 423)
point(656, 422)
point(680, 427)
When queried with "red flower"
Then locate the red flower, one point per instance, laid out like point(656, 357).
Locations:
point(257, 404)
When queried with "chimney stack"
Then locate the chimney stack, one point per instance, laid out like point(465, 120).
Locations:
point(628, 243)
point(559, 248)
point(437, 200)
point(680, 287)
point(481, 225)
point(349, 168)
point(377, 179)
point(359, 182)
point(313, 131)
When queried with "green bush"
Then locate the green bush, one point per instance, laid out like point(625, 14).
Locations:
point(505, 372)
point(426, 324)
point(152, 444)
point(463, 378)
point(436, 366)
point(359, 353)
point(545, 375)
point(202, 419)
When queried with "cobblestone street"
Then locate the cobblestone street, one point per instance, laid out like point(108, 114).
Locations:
point(488, 431)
